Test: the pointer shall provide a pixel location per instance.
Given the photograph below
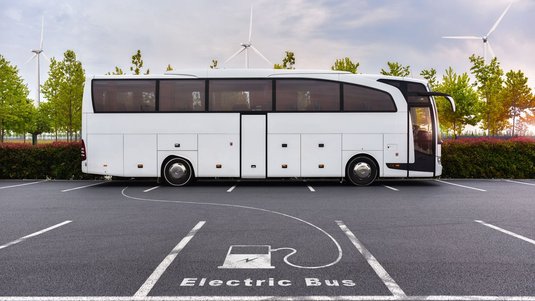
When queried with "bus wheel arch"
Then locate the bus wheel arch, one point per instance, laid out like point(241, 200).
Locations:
point(362, 170)
point(177, 171)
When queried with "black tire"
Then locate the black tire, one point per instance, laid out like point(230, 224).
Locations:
point(361, 171)
point(177, 172)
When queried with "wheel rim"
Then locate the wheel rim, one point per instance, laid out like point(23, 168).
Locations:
point(177, 171)
point(362, 170)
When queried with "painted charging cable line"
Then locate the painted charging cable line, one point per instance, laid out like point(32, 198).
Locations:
point(294, 251)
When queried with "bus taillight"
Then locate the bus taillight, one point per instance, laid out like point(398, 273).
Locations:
point(83, 153)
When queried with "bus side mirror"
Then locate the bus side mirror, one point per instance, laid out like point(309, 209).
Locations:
point(452, 102)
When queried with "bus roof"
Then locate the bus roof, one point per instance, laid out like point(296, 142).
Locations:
point(260, 73)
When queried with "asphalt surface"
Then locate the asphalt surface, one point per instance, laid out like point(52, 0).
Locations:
point(458, 239)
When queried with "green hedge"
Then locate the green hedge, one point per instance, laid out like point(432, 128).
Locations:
point(461, 158)
point(58, 160)
point(489, 158)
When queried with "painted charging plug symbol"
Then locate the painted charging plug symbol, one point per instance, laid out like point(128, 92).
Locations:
point(248, 257)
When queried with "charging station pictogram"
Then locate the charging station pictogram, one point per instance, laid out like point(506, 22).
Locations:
point(248, 257)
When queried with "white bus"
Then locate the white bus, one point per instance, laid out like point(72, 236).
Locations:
point(260, 124)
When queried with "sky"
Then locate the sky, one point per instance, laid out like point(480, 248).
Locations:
point(189, 34)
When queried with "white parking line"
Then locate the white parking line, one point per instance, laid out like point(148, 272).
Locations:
point(33, 234)
point(390, 283)
point(518, 182)
point(151, 189)
point(311, 189)
point(18, 185)
point(280, 298)
point(531, 241)
point(231, 188)
point(144, 290)
point(82, 187)
point(459, 185)
point(391, 188)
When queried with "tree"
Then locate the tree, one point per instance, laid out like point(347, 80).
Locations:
point(396, 69)
point(118, 71)
point(64, 90)
point(466, 101)
point(431, 76)
point(40, 121)
point(169, 68)
point(14, 102)
point(214, 63)
point(517, 95)
point(345, 64)
point(288, 62)
point(489, 84)
point(137, 64)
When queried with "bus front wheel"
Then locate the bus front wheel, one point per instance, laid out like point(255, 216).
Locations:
point(361, 171)
point(177, 172)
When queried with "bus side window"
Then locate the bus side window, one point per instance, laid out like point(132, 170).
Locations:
point(364, 99)
point(182, 95)
point(307, 95)
point(242, 95)
point(124, 95)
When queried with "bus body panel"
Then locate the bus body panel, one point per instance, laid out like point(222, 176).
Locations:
point(283, 156)
point(105, 154)
point(372, 142)
point(219, 155)
point(337, 123)
point(140, 156)
point(164, 123)
point(179, 142)
point(321, 155)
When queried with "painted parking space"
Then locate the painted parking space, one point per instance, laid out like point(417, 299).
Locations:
point(258, 239)
point(263, 265)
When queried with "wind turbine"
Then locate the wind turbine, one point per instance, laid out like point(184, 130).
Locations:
point(485, 38)
point(245, 46)
point(37, 53)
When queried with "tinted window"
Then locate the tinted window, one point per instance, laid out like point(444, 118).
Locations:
point(412, 90)
point(362, 99)
point(181, 95)
point(240, 95)
point(307, 95)
point(124, 95)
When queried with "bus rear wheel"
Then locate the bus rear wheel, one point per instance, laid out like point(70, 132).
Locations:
point(361, 171)
point(177, 172)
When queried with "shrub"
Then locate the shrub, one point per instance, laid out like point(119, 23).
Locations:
point(461, 158)
point(489, 158)
point(58, 160)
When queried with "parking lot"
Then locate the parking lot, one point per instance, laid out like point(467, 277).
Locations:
point(294, 240)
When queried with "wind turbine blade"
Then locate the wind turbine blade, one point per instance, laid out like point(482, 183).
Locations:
point(46, 57)
point(490, 50)
point(30, 59)
point(235, 54)
point(42, 32)
point(260, 54)
point(499, 19)
point(463, 37)
point(251, 25)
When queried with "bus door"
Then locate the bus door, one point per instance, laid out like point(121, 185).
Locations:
point(253, 146)
point(421, 128)
point(423, 134)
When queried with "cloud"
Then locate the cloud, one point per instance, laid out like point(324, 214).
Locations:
point(189, 34)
